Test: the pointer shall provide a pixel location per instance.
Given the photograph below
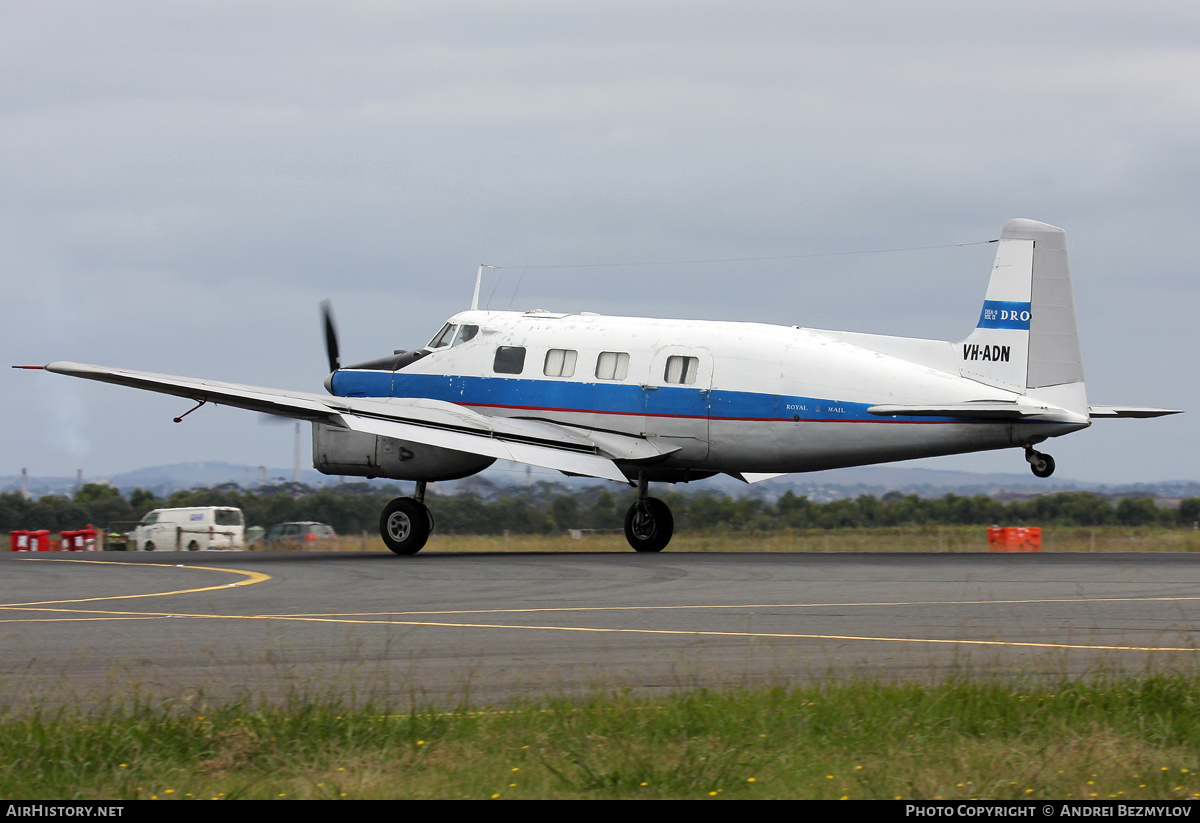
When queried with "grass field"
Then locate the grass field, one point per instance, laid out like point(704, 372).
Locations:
point(902, 539)
point(1111, 738)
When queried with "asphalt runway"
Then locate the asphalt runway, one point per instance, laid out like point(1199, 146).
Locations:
point(443, 629)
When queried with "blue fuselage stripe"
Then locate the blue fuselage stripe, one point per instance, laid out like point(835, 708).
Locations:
point(603, 398)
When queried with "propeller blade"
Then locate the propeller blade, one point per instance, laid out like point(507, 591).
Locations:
point(331, 343)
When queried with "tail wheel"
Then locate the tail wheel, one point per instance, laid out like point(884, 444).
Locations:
point(649, 525)
point(148, 547)
point(405, 525)
point(193, 546)
point(1042, 465)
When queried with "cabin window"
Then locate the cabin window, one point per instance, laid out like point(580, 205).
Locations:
point(681, 369)
point(612, 365)
point(465, 333)
point(509, 360)
point(443, 337)
point(560, 363)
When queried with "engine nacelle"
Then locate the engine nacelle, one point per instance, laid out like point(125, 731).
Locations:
point(345, 452)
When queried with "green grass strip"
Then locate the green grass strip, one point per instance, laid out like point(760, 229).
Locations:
point(1120, 737)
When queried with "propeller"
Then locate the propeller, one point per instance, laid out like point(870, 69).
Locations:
point(331, 343)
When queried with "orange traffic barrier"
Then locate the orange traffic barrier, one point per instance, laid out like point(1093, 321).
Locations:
point(1015, 539)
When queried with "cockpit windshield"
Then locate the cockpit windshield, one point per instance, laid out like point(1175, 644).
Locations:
point(452, 335)
point(443, 337)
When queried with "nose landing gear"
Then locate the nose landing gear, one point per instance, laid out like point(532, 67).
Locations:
point(1042, 465)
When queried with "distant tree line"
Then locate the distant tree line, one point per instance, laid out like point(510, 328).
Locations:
point(546, 508)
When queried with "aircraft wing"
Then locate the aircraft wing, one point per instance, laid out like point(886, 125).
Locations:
point(420, 420)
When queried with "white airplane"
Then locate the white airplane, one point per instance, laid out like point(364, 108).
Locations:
point(642, 400)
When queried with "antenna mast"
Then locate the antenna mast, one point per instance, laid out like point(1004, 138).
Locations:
point(478, 282)
point(475, 296)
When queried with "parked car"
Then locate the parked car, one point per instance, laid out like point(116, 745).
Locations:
point(194, 528)
point(304, 532)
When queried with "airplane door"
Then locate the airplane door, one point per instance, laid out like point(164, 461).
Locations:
point(677, 399)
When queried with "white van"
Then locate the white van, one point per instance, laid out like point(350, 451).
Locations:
point(197, 528)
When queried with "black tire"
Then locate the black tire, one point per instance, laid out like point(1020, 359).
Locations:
point(149, 546)
point(193, 546)
point(649, 525)
point(1043, 466)
point(405, 525)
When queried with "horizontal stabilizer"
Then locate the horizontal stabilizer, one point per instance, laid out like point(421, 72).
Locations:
point(1130, 411)
point(977, 411)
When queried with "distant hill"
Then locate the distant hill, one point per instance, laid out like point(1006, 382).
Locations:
point(819, 486)
point(166, 479)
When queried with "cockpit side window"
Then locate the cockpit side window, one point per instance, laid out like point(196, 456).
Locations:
point(465, 333)
point(443, 337)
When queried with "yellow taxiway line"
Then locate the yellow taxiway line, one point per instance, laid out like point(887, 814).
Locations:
point(729, 606)
point(250, 579)
point(597, 630)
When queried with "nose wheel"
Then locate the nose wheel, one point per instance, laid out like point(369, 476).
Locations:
point(1042, 465)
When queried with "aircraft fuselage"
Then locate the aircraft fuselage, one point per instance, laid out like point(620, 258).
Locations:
point(728, 396)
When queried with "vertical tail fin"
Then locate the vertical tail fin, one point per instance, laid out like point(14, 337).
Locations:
point(1027, 337)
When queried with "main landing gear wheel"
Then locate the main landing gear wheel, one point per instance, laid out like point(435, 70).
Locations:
point(649, 525)
point(1042, 465)
point(405, 525)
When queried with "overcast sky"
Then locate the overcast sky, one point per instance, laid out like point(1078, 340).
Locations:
point(181, 184)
